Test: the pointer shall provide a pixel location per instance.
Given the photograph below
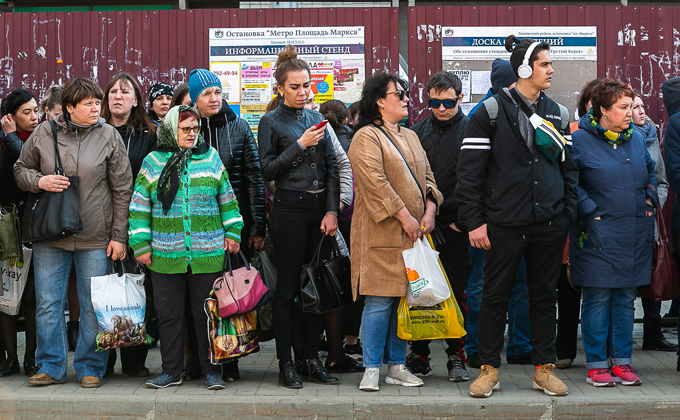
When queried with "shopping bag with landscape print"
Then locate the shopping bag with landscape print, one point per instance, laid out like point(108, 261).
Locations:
point(119, 302)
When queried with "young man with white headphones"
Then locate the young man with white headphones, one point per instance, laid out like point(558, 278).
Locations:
point(517, 196)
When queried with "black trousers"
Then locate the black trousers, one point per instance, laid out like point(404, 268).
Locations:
point(568, 310)
point(296, 232)
point(169, 295)
point(542, 245)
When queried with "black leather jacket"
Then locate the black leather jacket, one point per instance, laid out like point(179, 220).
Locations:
point(291, 166)
point(232, 138)
point(441, 141)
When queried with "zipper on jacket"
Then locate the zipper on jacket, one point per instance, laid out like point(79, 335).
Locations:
point(231, 152)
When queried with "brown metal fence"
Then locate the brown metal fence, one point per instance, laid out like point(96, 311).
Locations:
point(635, 44)
point(42, 49)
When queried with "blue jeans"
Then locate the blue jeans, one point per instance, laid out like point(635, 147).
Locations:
point(379, 332)
point(519, 336)
point(52, 269)
point(607, 314)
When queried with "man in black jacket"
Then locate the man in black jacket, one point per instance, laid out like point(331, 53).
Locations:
point(514, 201)
point(441, 135)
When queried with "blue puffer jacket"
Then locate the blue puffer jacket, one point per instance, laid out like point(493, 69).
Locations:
point(671, 100)
point(614, 184)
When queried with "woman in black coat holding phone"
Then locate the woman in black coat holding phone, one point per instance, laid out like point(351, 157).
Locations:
point(299, 158)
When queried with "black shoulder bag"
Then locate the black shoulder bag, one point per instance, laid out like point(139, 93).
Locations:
point(326, 285)
point(437, 234)
point(51, 216)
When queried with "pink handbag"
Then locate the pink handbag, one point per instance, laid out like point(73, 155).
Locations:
point(240, 291)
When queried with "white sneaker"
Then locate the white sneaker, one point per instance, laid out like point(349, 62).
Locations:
point(403, 377)
point(370, 380)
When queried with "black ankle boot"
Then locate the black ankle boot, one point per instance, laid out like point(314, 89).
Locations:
point(230, 372)
point(30, 368)
point(9, 367)
point(72, 334)
point(653, 338)
point(314, 371)
point(288, 377)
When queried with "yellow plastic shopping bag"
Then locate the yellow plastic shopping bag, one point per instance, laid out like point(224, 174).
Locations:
point(443, 320)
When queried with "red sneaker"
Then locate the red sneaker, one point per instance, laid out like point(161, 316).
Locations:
point(626, 375)
point(600, 377)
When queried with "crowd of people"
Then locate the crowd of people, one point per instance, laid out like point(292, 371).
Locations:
point(542, 223)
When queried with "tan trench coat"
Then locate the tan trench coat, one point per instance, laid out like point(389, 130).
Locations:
point(382, 186)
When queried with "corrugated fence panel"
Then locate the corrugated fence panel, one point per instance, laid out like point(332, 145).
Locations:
point(157, 46)
point(639, 45)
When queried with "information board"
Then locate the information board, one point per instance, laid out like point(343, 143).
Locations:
point(573, 51)
point(244, 60)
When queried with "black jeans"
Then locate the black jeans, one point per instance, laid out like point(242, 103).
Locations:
point(568, 311)
point(169, 297)
point(296, 232)
point(542, 245)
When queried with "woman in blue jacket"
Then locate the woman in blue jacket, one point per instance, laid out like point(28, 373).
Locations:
point(611, 244)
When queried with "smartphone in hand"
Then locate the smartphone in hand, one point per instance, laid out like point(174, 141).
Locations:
point(322, 124)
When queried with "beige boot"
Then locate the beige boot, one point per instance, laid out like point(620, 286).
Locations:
point(545, 380)
point(486, 383)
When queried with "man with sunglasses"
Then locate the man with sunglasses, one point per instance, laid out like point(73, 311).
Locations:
point(441, 136)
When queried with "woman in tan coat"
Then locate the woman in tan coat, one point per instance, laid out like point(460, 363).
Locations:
point(389, 215)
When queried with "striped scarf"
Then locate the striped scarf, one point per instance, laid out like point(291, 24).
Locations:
point(608, 135)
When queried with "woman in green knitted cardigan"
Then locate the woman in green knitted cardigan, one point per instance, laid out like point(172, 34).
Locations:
point(183, 217)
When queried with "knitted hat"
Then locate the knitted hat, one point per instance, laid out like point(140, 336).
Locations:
point(502, 75)
point(200, 79)
point(159, 89)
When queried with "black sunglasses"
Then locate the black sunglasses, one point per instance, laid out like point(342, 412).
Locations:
point(448, 103)
point(400, 94)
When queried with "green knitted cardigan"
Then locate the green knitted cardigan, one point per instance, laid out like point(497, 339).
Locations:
point(203, 213)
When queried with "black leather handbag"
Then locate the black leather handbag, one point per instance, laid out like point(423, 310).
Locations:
point(50, 216)
point(326, 285)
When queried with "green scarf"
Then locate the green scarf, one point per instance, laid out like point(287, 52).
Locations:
point(171, 175)
point(608, 135)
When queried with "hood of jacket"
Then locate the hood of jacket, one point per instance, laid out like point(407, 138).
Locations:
point(671, 95)
point(210, 125)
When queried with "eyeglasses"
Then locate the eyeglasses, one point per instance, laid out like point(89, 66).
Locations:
point(400, 94)
point(186, 130)
point(448, 103)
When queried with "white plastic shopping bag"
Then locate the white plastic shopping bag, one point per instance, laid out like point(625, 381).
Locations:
point(427, 283)
point(14, 275)
point(119, 301)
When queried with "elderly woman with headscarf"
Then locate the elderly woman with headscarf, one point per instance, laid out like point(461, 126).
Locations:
point(183, 217)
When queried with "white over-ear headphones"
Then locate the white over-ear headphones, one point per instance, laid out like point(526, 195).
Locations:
point(525, 71)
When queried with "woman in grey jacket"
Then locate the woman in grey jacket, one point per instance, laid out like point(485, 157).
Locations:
point(94, 152)
point(653, 338)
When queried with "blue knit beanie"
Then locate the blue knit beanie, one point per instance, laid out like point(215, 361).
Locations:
point(200, 79)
